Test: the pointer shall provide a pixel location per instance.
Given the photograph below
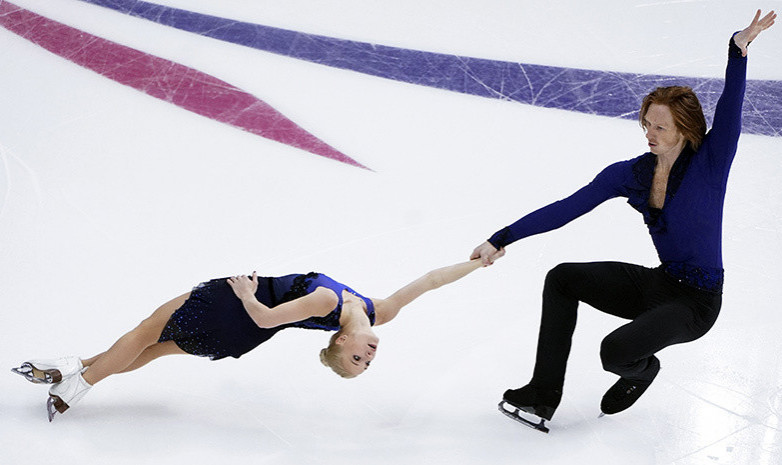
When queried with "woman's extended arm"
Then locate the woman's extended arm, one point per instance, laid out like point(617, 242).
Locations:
point(387, 309)
point(317, 303)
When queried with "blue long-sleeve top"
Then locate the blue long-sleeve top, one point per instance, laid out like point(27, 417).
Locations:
point(687, 231)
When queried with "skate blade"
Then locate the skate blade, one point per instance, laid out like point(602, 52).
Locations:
point(36, 376)
point(514, 414)
point(55, 405)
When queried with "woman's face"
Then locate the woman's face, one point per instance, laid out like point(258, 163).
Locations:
point(358, 351)
point(661, 131)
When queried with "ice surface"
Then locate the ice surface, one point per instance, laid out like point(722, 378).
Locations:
point(111, 202)
point(597, 92)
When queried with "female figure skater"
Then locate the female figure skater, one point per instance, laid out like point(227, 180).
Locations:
point(230, 317)
point(679, 188)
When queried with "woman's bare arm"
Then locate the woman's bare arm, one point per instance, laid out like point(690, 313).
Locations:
point(317, 303)
point(387, 309)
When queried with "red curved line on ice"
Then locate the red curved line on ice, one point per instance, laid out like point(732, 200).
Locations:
point(164, 79)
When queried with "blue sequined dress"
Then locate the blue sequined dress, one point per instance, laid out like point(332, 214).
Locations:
point(214, 323)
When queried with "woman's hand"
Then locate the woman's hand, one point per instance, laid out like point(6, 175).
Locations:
point(244, 287)
point(758, 25)
point(487, 253)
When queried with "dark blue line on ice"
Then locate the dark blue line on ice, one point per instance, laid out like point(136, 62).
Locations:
point(594, 92)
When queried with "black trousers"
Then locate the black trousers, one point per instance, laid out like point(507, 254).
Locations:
point(662, 311)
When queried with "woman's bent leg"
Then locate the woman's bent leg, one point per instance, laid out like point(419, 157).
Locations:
point(123, 354)
point(152, 352)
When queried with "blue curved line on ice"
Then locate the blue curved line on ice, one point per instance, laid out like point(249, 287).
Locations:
point(587, 91)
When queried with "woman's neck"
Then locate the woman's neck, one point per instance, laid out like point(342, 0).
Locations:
point(353, 317)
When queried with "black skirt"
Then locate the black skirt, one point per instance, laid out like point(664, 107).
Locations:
point(214, 323)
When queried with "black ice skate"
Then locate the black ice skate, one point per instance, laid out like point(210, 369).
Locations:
point(49, 371)
point(538, 402)
point(623, 394)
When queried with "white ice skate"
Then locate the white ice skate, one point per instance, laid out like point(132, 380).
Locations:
point(49, 371)
point(64, 395)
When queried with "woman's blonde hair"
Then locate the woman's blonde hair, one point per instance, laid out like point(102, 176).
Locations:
point(331, 357)
point(685, 108)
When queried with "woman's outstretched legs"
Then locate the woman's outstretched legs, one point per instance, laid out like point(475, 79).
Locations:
point(150, 353)
point(137, 347)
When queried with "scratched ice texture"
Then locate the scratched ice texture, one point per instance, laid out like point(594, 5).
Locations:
point(113, 200)
point(587, 91)
point(185, 87)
